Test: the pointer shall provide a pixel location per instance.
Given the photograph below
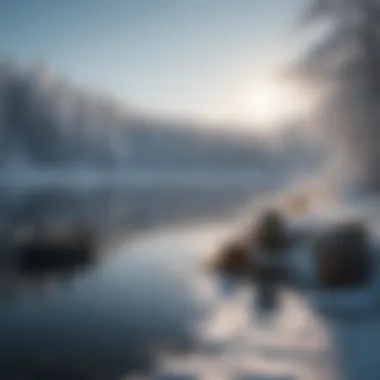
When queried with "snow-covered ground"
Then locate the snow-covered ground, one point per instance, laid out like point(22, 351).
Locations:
point(314, 335)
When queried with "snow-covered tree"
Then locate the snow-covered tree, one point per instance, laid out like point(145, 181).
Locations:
point(346, 61)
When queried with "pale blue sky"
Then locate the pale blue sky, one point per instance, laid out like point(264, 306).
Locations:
point(183, 57)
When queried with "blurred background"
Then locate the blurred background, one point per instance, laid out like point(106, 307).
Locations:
point(157, 126)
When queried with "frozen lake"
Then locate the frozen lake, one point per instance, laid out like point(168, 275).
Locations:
point(146, 309)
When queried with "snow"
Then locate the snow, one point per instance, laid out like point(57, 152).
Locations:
point(314, 335)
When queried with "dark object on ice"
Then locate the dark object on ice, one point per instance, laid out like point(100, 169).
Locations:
point(234, 259)
point(270, 235)
point(43, 252)
point(267, 297)
point(268, 239)
point(272, 241)
point(344, 257)
point(270, 273)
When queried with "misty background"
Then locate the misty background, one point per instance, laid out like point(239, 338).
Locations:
point(48, 121)
point(152, 122)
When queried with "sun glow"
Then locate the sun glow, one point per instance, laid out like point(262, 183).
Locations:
point(268, 103)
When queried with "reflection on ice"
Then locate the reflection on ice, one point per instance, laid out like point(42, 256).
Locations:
point(148, 307)
point(316, 334)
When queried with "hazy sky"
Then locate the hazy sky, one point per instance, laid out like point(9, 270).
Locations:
point(188, 57)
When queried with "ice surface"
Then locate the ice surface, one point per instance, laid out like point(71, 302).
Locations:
point(314, 334)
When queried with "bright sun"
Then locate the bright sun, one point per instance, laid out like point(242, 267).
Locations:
point(268, 103)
